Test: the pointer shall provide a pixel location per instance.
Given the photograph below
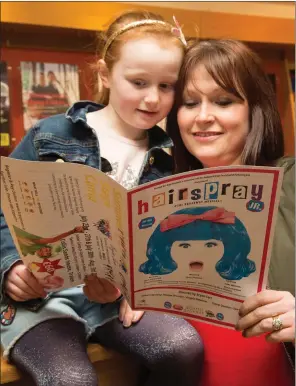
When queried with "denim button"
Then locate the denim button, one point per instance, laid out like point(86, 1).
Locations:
point(151, 160)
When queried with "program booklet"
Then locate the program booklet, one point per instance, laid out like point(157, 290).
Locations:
point(194, 244)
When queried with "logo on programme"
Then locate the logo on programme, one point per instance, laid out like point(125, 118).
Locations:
point(255, 206)
point(146, 222)
point(210, 314)
point(220, 316)
point(178, 307)
point(167, 305)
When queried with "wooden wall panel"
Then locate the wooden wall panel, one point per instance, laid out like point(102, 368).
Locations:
point(96, 15)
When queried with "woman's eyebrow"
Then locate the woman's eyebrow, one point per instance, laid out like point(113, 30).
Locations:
point(192, 89)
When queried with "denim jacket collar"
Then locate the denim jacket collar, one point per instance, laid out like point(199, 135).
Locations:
point(77, 112)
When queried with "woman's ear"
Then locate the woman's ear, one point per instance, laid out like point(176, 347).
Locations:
point(104, 73)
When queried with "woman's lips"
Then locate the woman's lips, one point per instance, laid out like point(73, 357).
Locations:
point(206, 136)
point(196, 266)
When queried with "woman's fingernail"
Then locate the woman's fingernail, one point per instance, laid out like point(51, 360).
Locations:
point(126, 323)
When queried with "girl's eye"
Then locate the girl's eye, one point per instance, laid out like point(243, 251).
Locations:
point(185, 245)
point(210, 244)
point(139, 83)
point(224, 102)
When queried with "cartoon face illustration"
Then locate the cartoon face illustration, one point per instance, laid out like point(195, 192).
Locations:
point(197, 255)
point(184, 236)
point(44, 252)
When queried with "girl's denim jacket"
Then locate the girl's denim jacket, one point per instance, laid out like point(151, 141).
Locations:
point(68, 137)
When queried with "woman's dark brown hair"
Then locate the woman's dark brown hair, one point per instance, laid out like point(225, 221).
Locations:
point(236, 69)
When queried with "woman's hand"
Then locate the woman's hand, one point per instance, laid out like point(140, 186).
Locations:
point(21, 284)
point(271, 312)
point(100, 290)
point(127, 316)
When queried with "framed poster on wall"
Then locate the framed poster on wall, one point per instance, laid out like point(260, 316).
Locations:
point(4, 107)
point(47, 89)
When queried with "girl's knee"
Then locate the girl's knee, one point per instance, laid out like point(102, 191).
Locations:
point(182, 347)
point(77, 375)
point(78, 380)
point(189, 348)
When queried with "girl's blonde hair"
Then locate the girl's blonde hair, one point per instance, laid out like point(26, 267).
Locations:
point(110, 41)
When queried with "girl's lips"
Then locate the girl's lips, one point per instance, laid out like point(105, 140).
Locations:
point(196, 266)
point(149, 113)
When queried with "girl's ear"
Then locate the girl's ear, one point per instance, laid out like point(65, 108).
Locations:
point(103, 73)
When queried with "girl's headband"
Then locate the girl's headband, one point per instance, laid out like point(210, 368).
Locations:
point(175, 30)
point(218, 215)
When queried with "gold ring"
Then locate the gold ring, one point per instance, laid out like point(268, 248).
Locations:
point(277, 324)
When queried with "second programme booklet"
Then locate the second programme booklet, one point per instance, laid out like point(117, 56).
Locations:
point(194, 244)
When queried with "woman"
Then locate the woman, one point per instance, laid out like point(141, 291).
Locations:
point(225, 114)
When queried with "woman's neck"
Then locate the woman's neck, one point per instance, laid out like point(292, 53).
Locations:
point(235, 161)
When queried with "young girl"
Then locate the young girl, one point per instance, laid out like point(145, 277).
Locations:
point(138, 68)
point(198, 228)
point(226, 114)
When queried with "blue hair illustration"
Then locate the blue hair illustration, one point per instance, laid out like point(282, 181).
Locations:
point(233, 265)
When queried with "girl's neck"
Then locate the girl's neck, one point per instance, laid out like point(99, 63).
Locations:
point(112, 120)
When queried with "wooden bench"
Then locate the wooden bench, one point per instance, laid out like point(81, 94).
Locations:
point(112, 369)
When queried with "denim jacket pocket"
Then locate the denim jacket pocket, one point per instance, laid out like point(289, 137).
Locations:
point(54, 154)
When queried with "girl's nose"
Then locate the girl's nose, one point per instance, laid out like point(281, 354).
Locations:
point(152, 98)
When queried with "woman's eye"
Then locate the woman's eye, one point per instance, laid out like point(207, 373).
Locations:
point(190, 104)
point(210, 244)
point(224, 102)
point(185, 245)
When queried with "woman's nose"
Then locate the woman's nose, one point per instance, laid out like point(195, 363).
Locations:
point(204, 114)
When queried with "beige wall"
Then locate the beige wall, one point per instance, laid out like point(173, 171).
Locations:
point(207, 16)
point(279, 9)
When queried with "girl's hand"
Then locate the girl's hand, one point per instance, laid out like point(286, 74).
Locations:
point(127, 316)
point(21, 284)
point(100, 290)
point(261, 312)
